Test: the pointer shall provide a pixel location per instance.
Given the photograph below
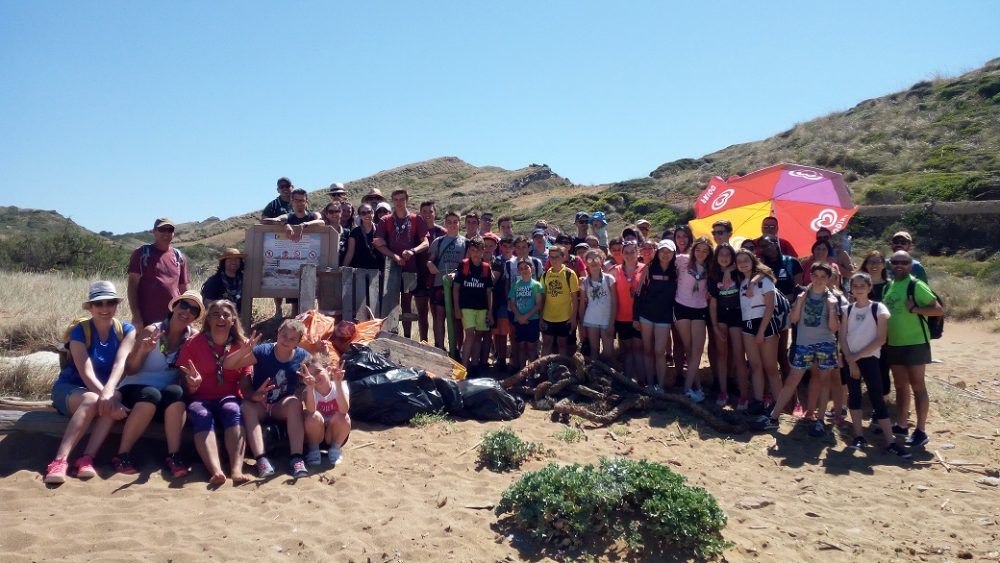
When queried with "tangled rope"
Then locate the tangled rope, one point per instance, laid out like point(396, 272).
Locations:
point(601, 394)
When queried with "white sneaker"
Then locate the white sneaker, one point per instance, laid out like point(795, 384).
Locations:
point(335, 455)
point(313, 456)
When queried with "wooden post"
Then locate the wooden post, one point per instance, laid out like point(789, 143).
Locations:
point(347, 289)
point(307, 287)
point(372, 285)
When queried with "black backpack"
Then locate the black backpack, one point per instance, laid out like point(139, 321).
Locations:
point(934, 326)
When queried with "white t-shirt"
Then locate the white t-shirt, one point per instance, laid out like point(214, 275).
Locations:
point(598, 299)
point(753, 307)
point(862, 329)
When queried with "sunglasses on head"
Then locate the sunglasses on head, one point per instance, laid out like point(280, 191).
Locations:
point(195, 310)
point(900, 262)
point(164, 229)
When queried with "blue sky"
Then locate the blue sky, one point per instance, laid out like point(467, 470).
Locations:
point(115, 113)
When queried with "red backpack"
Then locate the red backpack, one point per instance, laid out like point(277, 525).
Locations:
point(466, 268)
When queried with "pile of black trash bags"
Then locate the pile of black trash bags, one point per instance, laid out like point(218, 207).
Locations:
point(386, 393)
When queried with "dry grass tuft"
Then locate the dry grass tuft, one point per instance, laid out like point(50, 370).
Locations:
point(25, 380)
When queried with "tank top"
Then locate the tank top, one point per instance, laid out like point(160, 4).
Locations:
point(625, 290)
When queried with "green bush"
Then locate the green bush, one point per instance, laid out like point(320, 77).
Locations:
point(503, 450)
point(643, 503)
point(70, 250)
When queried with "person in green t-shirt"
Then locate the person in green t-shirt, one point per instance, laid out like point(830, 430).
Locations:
point(909, 350)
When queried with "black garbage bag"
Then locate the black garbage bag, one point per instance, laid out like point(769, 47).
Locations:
point(361, 361)
point(450, 393)
point(485, 399)
point(394, 396)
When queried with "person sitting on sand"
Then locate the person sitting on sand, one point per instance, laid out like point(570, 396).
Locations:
point(150, 387)
point(213, 391)
point(272, 392)
point(327, 400)
point(85, 388)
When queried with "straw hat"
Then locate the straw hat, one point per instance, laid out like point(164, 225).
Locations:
point(231, 253)
point(190, 295)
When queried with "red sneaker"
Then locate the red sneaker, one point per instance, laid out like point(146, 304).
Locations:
point(175, 463)
point(85, 467)
point(123, 464)
point(55, 473)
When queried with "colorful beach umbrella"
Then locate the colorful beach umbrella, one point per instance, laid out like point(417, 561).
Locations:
point(802, 198)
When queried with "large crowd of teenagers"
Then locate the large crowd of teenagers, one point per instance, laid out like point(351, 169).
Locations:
point(784, 331)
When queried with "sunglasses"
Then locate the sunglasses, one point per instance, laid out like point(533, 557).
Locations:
point(164, 229)
point(220, 315)
point(900, 241)
point(284, 187)
point(331, 211)
point(195, 310)
point(582, 222)
point(105, 303)
point(719, 233)
point(900, 262)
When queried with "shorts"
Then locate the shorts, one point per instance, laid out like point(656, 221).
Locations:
point(684, 313)
point(61, 392)
point(558, 330)
point(437, 296)
point(645, 321)
point(526, 332)
point(913, 355)
point(595, 325)
point(625, 331)
point(732, 316)
point(502, 327)
point(823, 354)
point(751, 326)
point(474, 318)
point(421, 290)
point(160, 398)
point(204, 413)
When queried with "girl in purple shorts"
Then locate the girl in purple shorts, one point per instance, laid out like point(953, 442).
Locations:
point(213, 392)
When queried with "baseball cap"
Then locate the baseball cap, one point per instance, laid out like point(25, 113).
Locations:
point(538, 233)
point(163, 221)
point(903, 234)
point(492, 236)
point(642, 222)
point(598, 216)
point(582, 215)
point(666, 243)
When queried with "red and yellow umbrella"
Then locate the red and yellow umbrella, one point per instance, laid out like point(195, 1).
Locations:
point(802, 198)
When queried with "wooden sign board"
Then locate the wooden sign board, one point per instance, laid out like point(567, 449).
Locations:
point(273, 261)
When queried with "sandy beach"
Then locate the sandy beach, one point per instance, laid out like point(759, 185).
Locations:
point(416, 494)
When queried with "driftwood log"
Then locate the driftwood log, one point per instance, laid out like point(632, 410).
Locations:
point(601, 394)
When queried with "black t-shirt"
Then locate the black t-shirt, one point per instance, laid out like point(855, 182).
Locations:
point(785, 270)
point(727, 297)
point(655, 301)
point(473, 284)
point(365, 254)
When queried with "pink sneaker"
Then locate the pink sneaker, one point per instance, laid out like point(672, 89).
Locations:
point(85, 467)
point(798, 411)
point(55, 473)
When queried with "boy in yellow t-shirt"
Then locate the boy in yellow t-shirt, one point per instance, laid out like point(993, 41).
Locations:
point(559, 312)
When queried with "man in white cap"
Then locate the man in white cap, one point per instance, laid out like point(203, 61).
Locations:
point(156, 274)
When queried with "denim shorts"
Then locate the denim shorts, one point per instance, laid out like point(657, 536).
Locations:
point(645, 321)
point(61, 392)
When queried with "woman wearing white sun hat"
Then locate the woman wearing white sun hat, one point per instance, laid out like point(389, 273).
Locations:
point(85, 388)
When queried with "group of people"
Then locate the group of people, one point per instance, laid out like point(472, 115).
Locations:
point(186, 359)
point(771, 318)
point(790, 333)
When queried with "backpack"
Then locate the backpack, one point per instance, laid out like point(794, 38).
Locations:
point(874, 312)
point(781, 309)
point(932, 325)
point(65, 356)
point(466, 268)
point(147, 250)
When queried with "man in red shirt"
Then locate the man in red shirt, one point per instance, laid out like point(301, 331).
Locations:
point(400, 236)
point(156, 274)
point(769, 226)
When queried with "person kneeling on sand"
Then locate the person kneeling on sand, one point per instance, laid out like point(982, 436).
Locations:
point(271, 394)
point(327, 401)
point(213, 391)
point(85, 389)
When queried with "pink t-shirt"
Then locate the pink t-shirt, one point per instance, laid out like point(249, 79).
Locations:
point(692, 288)
point(160, 279)
point(200, 351)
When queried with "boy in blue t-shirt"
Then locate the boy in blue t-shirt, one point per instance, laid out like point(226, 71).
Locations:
point(272, 392)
